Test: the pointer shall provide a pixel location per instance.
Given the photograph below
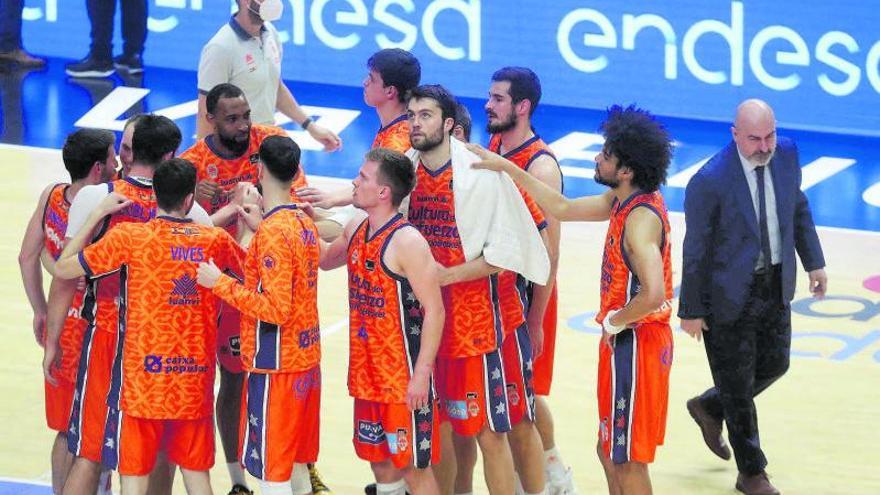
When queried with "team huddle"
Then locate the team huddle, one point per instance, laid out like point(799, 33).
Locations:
point(174, 267)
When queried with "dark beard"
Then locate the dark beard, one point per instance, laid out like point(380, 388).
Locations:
point(600, 180)
point(430, 142)
point(502, 126)
point(235, 147)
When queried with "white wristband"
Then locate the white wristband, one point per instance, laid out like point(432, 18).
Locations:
point(609, 327)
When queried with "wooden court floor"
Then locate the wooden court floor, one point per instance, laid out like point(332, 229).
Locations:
point(818, 423)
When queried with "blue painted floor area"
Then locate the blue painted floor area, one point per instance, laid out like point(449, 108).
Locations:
point(841, 172)
point(23, 488)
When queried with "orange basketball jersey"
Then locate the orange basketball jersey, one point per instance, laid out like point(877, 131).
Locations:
point(55, 215)
point(227, 171)
point(100, 305)
point(618, 282)
point(385, 319)
point(279, 298)
point(169, 326)
point(513, 288)
point(473, 313)
point(394, 136)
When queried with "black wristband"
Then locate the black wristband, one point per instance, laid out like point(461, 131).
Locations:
point(305, 123)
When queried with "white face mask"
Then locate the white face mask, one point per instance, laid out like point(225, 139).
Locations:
point(269, 10)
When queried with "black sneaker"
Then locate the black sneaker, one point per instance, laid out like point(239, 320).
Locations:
point(240, 490)
point(133, 64)
point(90, 67)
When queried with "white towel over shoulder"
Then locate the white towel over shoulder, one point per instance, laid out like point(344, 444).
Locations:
point(492, 218)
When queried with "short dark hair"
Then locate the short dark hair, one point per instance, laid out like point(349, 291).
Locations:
point(222, 90)
point(173, 180)
point(524, 85)
point(438, 93)
point(280, 156)
point(395, 171)
point(83, 148)
point(463, 118)
point(398, 68)
point(133, 120)
point(640, 142)
point(154, 137)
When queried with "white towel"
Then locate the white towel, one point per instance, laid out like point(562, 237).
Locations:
point(492, 218)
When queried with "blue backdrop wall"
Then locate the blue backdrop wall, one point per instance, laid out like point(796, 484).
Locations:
point(817, 62)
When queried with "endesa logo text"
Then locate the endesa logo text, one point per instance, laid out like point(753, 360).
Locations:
point(777, 56)
point(341, 24)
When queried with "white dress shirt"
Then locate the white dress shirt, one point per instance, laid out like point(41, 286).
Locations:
point(772, 218)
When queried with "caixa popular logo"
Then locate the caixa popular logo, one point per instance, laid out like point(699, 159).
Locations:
point(370, 432)
point(156, 364)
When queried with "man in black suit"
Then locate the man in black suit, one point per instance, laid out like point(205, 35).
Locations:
point(746, 217)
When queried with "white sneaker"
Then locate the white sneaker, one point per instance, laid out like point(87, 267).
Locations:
point(563, 485)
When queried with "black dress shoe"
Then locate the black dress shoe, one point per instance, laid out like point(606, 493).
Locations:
point(711, 428)
point(757, 484)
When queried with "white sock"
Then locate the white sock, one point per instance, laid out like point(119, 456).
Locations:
point(104, 483)
point(300, 482)
point(468, 493)
point(542, 492)
point(236, 474)
point(275, 488)
point(518, 487)
point(396, 488)
point(553, 464)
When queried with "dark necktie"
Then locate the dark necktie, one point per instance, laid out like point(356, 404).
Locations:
point(762, 217)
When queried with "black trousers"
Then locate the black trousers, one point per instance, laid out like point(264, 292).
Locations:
point(10, 24)
point(134, 26)
point(747, 356)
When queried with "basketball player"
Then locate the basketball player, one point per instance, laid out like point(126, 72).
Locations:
point(636, 288)
point(125, 155)
point(444, 206)
point(90, 158)
point(396, 319)
point(227, 157)
point(392, 74)
point(280, 336)
point(155, 139)
point(513, 97)
point(168, 344)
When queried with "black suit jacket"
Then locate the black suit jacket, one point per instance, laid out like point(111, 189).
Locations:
point(722, 242)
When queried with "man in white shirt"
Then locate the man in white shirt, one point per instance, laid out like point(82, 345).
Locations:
point(247, 53)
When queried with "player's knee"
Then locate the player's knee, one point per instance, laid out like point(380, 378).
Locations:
point(385, 472)
point(629, 469)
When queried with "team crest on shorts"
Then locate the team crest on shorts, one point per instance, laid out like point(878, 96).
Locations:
point(402, 442)
point(513, 393)
point(472, 405)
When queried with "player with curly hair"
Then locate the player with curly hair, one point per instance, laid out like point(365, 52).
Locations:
point(635, 354)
